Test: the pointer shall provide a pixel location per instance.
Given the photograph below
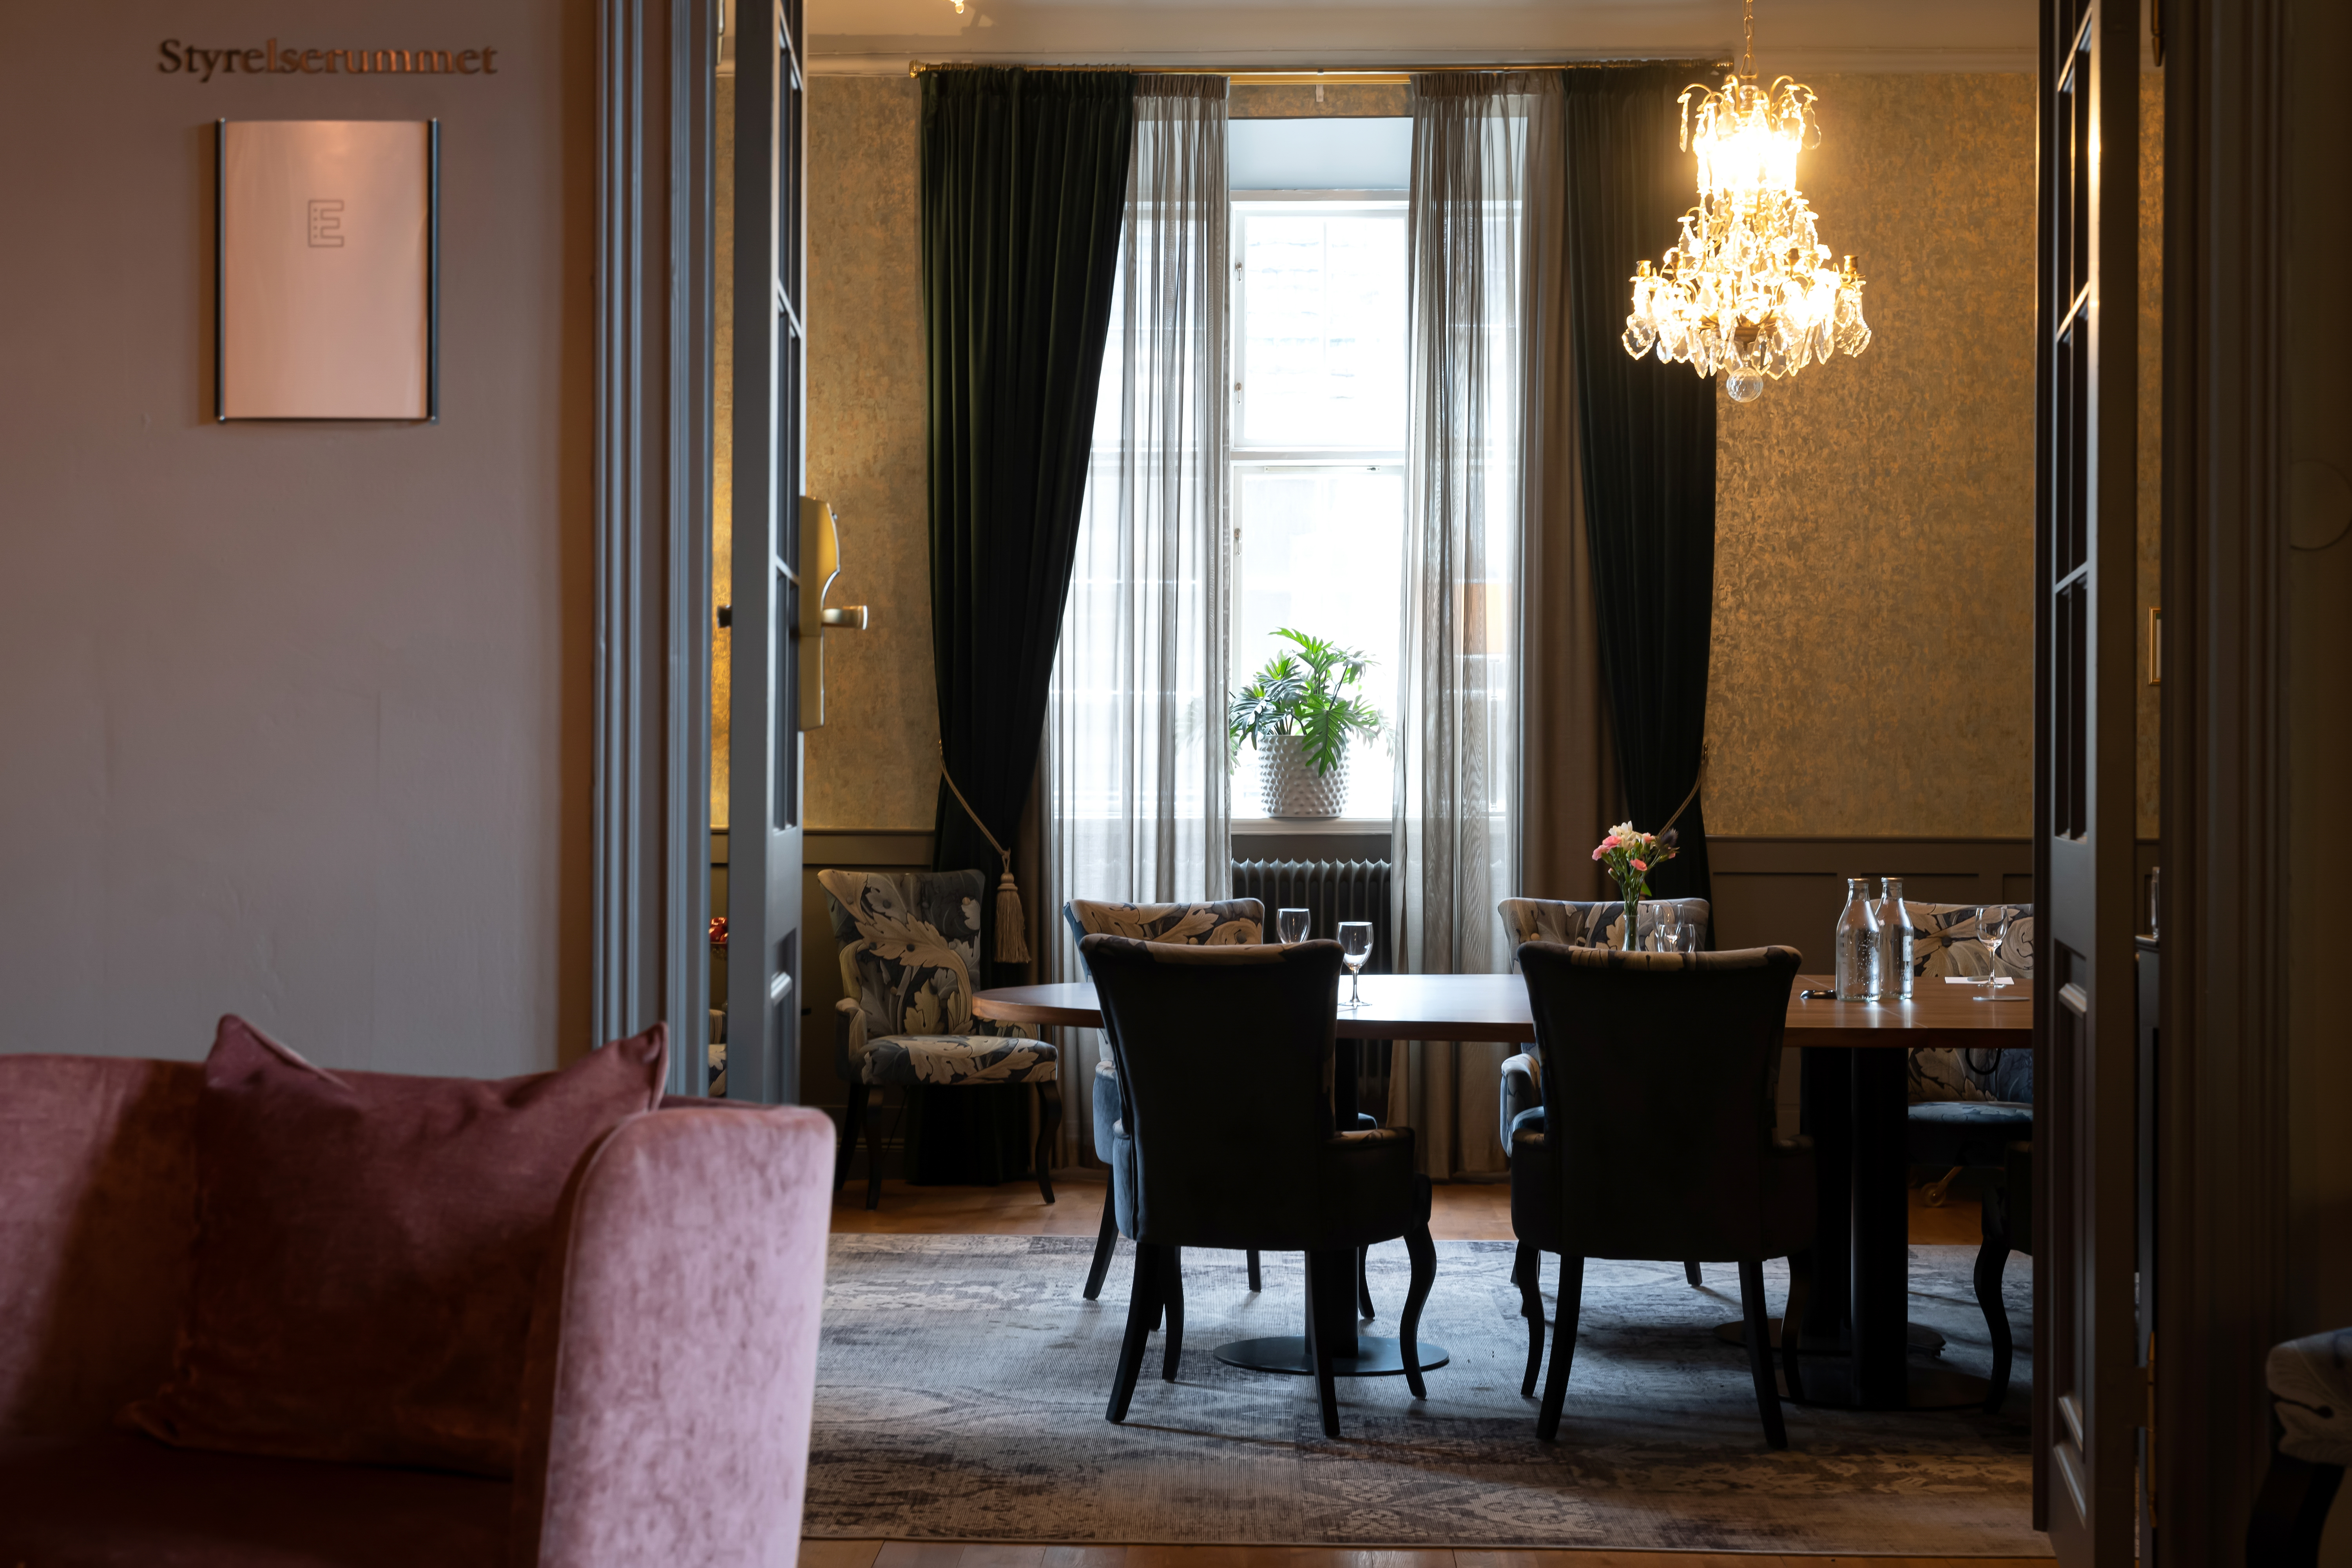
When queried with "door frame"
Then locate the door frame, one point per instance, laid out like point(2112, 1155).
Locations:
point(2222, 1289)
point(766, 955)
point(650, 812)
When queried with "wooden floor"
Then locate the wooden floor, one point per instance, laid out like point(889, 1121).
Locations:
point(1460, 1211)
point(953, 1555)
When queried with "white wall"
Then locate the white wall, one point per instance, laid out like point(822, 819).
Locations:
point(293, 718)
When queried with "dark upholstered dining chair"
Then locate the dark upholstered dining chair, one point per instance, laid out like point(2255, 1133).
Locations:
point(1575, 925)
point(1218, 923)
point(1658, 1077)
point(1197, 1164)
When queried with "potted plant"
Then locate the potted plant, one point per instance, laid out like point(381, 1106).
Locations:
point(1301, 717)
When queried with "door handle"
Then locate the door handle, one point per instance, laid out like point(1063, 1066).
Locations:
point(820, 563)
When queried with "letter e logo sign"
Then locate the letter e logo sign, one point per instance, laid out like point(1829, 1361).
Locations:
point(326, 225)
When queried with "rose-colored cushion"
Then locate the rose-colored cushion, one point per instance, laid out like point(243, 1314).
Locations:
point(368, 1251)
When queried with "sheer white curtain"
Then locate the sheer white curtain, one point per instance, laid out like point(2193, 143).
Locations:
point(1485, 254)
point(1136, 803)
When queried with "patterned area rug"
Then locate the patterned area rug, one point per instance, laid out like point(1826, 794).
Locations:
point(961, 1385)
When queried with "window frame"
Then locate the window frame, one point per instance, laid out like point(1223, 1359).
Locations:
point(1244, 458)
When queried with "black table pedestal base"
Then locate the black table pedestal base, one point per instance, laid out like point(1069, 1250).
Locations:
point(1830, 1382)
point(1919, 1337)
point(1376, 1356)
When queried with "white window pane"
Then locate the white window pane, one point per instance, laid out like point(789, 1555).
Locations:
point(1322, 552)
point(1323, 330)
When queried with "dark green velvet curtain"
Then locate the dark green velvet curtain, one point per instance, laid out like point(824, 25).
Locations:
point(1024, 190)
point(1648, 449)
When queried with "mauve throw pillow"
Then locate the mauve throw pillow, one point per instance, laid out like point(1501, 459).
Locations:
point(368, 1251)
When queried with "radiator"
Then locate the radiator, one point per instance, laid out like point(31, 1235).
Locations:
point(1333, 890)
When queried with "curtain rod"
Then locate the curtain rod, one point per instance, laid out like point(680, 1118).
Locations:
point(1343, 75)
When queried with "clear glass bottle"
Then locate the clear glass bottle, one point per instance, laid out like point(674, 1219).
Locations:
point(1857, 945)
point(1895, 937)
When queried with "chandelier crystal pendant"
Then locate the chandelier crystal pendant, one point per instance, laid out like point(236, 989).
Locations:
point(1748, 291)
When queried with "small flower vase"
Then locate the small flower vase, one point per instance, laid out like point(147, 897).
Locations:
point(1629, 940)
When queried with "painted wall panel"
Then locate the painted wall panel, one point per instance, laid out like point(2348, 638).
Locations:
point(294, 718)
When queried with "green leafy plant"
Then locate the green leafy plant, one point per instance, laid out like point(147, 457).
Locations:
point(1306, 693)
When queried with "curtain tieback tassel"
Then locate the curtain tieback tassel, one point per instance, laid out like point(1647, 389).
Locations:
point(1011, 925)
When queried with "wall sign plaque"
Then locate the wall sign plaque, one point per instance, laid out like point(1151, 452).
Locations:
point(267, 59)
point(328, 275)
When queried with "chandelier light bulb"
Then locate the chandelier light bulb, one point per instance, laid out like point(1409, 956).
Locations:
point(1747, 292)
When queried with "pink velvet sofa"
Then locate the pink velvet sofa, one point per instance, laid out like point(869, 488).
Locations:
point(667, 1423)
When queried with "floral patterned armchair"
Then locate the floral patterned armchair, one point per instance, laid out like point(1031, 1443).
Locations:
point(1944, 942)
point(909, 941)
point(1598, 924)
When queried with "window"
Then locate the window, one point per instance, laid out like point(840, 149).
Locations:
point(1318, 486)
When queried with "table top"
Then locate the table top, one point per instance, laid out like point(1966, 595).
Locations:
point(1494, 1007)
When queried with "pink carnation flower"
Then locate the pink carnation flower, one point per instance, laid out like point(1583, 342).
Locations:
point(1640, 865)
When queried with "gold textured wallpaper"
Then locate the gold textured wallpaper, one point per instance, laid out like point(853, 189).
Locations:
point(1370, 100)
point(876, 762)
point(2148, 720)
point(1872, 660)
point(1874, 606)
point(722, 445)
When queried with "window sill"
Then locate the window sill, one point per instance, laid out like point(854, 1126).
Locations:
point(1289, 827)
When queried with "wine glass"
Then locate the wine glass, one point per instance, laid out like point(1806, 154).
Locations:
point(1992, 926)
point(1356, 948)
point(1293, 924)
point(1665, 927)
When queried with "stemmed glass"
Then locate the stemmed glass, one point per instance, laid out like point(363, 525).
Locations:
point(1292, 924)
point(1355, 949)
point(1992, 925)
point(1665, 927)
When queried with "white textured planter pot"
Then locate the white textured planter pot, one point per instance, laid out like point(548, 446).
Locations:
point(1288, 784)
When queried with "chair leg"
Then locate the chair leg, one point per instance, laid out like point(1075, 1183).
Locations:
point(1424, 1253)
point(1992, 1260)
point(2290, 1512)
point(1364, 1307)
point(1527, 1271)
point(1563, 1348)
point(1142, 1306)
point(852, 1120)
point(1256, 1283)
point(1049, 1122)
point(873, 1151)
point(1759, 1351)
point(1106, 1242)
point(1692, 1276)
point(1792, 1321)
point(1329, 1322)
point(1172, 1297)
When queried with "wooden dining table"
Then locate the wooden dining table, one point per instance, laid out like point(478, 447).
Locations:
point(1856, 1335)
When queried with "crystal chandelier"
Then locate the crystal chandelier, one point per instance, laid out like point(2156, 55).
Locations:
point(1748, 291)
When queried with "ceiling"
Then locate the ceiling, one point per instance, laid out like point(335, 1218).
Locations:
point(1809, 36)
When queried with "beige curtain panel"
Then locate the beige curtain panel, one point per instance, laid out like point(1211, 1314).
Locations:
point(1486, 211)
point(1136, 765)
